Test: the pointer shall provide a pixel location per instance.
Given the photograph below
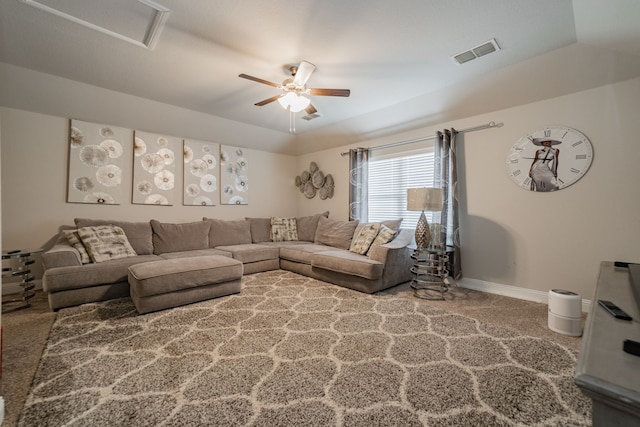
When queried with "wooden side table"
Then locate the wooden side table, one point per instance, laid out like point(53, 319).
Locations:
point(431, 273)
point(16, 264)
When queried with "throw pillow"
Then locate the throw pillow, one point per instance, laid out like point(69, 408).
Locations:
point(385, 235)
point(307, 226)
point(283, 229)
point(337, 234)
point(139, 234)
point(363, 239)
point(105, 242)
point(227, 233)
point(179, 237)
point(74, 240)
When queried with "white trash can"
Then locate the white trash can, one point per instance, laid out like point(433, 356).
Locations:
point(565, 312)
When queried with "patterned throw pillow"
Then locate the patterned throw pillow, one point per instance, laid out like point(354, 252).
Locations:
point(361, 243)
point(74, 240)
point(283, 229)
point(105, 242)
point(385, 235)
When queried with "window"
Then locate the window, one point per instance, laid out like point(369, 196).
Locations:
point(389, 178)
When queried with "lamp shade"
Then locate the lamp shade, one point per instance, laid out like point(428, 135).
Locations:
point(424, 199)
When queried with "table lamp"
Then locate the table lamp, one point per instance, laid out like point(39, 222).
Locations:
point(424, 199)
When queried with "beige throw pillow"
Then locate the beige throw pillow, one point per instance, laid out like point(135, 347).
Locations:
point(363, 239)
point(74, 240)
point(105, 242)
point(385, 235)
point(283, 229)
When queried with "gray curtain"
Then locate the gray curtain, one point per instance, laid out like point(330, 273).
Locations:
point(446, 177)
point(358, 183)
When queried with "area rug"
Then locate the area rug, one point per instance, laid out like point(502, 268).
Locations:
point(293, 351)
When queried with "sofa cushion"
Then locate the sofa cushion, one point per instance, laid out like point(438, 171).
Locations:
point(251, 252)
point(348, 263)
point(302, 253)
point(307, 226)
point(153, 278)
point(86, 276)
point(337, 234)
point(139, 234)
point(363, 238)
point(74, 240)
point(283, 229)
point(260, 229)
point(105, 242)
point(194, 253)
point(225, 233)
point(179, 237)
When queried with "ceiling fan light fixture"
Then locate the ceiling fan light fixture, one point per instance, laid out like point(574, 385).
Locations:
point(291, 101)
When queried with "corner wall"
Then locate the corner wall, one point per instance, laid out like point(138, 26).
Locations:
point(521, 239)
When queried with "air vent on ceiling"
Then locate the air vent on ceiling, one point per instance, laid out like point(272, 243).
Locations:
point(310, 116)
point(476, 52)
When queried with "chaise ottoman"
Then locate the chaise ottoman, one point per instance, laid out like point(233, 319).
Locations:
point(157, 285)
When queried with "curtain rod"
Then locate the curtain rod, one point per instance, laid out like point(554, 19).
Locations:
point(426, 138)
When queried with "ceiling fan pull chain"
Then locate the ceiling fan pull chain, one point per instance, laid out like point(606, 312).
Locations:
point(292, 122)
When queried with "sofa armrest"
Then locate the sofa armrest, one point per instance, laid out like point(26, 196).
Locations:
point(381, 252)
point(61, 255)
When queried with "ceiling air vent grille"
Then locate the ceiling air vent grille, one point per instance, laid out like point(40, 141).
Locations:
point(310, 116)
point(476, 52)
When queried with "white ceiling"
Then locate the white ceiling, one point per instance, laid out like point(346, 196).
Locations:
point(393, 55)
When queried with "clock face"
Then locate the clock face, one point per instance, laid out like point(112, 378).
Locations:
point(549, 159)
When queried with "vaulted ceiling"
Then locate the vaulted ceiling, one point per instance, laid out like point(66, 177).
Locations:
point(395, 56)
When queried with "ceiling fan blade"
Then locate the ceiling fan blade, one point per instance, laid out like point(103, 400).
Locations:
point(303, 73)
point(329, 92)
point(259, 80)
point(310, 109)
point(268, 100)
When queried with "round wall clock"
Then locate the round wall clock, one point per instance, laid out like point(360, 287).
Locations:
point(549, 159)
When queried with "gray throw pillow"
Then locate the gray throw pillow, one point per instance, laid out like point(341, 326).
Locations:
point(337, 234)
point(260, 229)
point(307, 226)
point(227, 233)
point(179, 237)
point(138, 233)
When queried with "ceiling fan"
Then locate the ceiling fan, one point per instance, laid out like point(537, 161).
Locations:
point(294, 96)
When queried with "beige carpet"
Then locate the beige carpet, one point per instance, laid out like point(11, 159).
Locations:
point(290, 350)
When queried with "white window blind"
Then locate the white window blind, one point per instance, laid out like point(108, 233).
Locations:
point(389, 178)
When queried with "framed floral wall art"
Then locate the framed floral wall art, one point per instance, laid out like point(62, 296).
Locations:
point(200, 173)
point(234, 176)
point(96, 162)
point(154, 164)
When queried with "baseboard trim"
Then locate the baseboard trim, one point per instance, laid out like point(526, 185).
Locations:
point(513, 291)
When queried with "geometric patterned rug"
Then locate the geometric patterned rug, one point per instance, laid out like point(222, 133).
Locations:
point(293, 351)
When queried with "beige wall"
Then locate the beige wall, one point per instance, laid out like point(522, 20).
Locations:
point(34, 185)
point(510, 236)
point(537, 241)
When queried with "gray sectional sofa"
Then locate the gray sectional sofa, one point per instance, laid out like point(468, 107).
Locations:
point(320, 249)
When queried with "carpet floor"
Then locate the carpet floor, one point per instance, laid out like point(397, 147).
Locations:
point(290, 350)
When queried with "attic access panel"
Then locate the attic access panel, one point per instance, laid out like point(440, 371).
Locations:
point(138, 22)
